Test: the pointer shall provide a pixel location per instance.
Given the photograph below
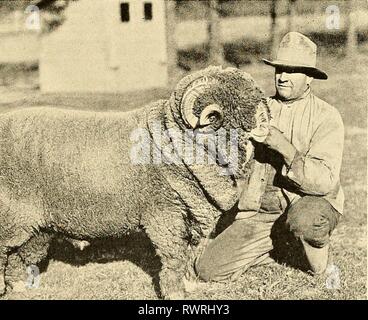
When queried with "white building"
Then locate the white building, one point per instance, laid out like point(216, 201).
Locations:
point(106, 46)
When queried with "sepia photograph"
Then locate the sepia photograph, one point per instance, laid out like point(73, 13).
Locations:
point(183, 150)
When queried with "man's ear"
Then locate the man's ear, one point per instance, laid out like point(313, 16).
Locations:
point(309, 80)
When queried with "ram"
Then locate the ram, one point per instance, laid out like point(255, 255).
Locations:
point(171, 169)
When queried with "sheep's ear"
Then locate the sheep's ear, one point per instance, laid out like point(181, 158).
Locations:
point(212, 115)
point(260, 132)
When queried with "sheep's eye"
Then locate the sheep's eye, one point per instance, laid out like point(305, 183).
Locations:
point(212, 118)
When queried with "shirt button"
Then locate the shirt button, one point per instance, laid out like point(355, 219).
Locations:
point(262, 179)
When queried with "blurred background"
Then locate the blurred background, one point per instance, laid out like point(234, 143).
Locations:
point(89, 40)
point(107, 55)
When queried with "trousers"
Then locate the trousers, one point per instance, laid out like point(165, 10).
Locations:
point(272, 234)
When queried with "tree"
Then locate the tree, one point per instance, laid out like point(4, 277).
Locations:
point(172, 58)
point(291, 15)
point(351, 43)
point(274, 32)
point(216, 51)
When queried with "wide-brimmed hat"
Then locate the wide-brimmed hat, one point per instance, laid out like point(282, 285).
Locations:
point(299, 54)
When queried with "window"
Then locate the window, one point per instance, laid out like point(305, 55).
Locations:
point(124, 12)
point(147, 11)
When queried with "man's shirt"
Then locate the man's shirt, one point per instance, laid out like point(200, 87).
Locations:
point(316, 130)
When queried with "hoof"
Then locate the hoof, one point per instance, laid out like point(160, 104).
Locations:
point(190, 285)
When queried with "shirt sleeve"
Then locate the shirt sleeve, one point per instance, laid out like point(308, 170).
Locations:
point(317, 172)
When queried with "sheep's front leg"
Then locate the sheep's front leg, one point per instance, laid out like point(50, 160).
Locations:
point(168, 233)
point(15, 273)
point(29, 254)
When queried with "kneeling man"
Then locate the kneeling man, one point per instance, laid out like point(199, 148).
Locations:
point(293, 199)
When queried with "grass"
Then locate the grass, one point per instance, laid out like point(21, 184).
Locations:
point(127, 269)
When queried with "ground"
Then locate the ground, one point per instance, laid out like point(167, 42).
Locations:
point(127, 269)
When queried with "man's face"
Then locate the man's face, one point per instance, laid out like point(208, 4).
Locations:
point(291, 85)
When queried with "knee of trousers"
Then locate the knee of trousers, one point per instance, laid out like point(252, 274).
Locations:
point(312, 219)
point(206, 271)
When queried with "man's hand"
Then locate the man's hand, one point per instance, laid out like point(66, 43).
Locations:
point(277, 141)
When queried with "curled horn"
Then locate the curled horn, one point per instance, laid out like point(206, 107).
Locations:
point(195, 89)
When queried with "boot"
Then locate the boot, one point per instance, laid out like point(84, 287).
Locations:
point(317, 257)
